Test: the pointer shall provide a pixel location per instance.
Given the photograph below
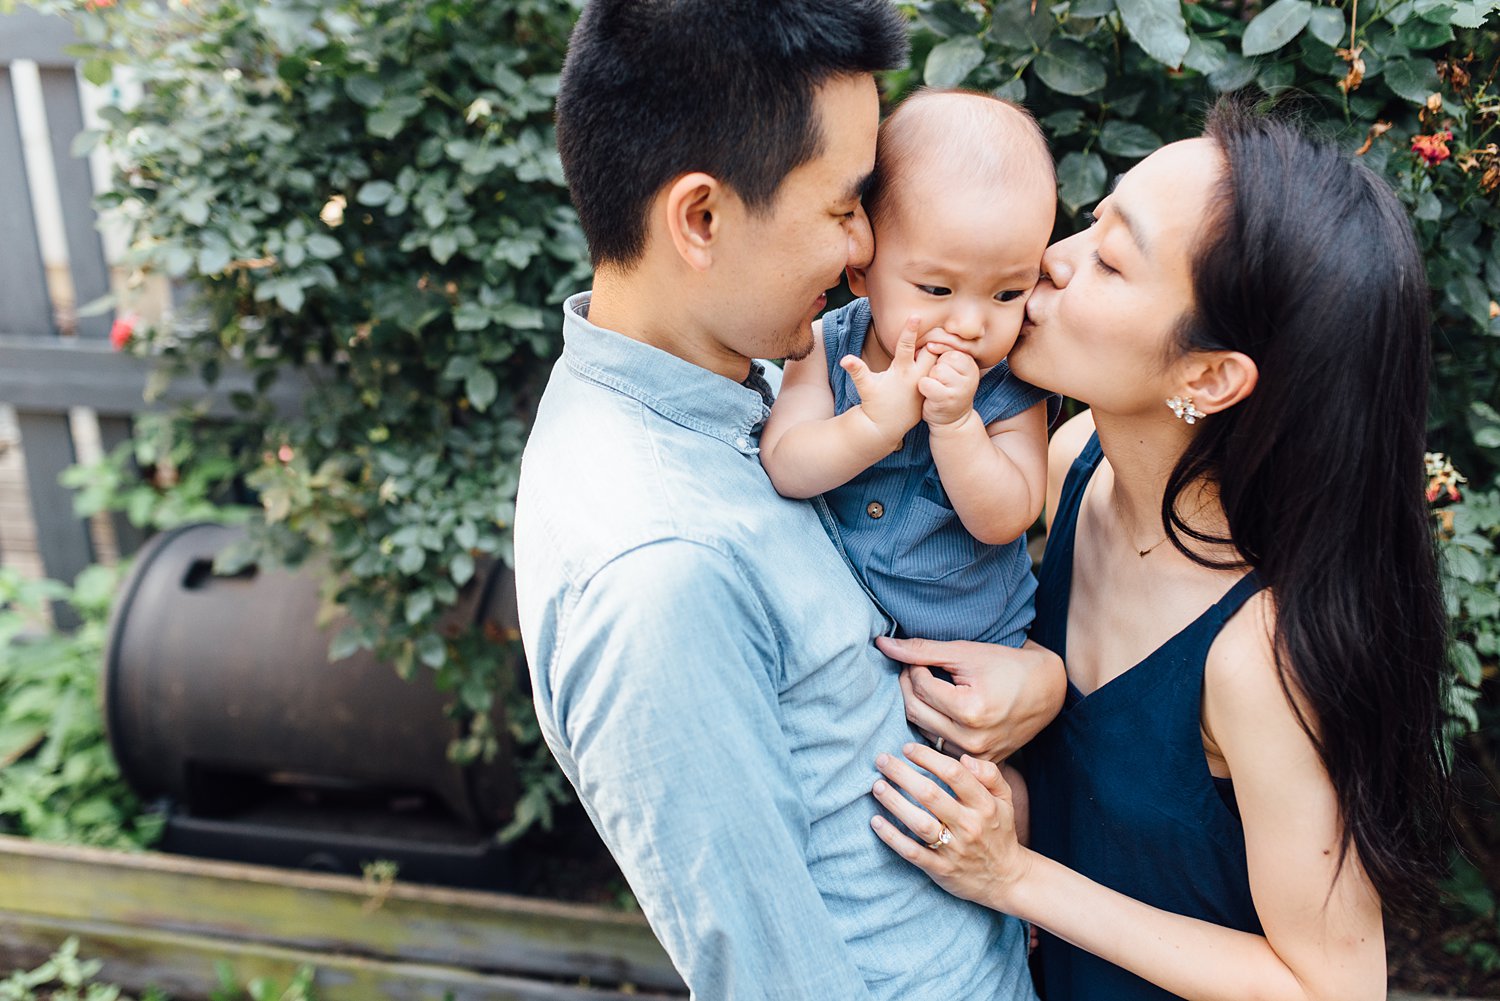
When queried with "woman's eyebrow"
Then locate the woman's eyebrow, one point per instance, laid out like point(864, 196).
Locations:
point(1136, 233)
point(1134, 230)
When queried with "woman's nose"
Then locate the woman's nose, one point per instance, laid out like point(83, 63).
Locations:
point(1057, 261)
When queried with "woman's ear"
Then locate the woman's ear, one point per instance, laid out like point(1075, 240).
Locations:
point(692, 205)
point(1220, 379)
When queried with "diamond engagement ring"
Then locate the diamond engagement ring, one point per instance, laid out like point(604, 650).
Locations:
point(942, 839)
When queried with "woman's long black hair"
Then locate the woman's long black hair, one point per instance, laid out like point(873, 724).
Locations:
point(1311, 269)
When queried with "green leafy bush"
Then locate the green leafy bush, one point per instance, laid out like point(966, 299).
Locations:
point(58, 779)
point(366, 194)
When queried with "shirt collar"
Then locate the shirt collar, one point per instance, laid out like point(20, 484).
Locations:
point(680, 391)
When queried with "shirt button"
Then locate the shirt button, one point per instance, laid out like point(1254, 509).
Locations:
point(875, 509)
point(742, 442)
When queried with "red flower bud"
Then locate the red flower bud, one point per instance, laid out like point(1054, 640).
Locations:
point(121, 332)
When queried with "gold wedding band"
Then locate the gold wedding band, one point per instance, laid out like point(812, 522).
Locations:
point(942, 839)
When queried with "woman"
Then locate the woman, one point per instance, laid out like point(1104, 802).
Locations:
point(1241, 582)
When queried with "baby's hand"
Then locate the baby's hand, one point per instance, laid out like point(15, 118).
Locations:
point(890, 399)
point(948, 388)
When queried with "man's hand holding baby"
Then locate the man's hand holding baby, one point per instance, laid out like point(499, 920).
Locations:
point(891, 400)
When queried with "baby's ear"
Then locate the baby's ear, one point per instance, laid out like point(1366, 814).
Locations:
point(857, 283)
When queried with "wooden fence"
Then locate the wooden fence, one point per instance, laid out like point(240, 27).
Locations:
point(57, 369)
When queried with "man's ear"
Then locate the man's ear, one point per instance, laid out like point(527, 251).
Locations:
point(693, 205)
point(1218, 380)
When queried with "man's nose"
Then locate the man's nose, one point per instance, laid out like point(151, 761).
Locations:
point(861, 239)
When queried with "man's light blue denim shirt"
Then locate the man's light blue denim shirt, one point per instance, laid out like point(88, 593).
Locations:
point(704, 670)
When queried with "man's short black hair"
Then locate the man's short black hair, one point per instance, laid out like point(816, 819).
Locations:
point(653, 89)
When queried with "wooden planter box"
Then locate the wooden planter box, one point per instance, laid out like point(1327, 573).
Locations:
point(165, 920)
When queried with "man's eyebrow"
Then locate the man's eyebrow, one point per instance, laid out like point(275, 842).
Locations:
point(860, 188)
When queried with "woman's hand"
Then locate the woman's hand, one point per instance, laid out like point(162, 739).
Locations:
point(999, 698)
point(983, 861)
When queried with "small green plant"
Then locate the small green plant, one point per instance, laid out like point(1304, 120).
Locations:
point(378, 877)
point(66, 977)
point(58, 779)
point(299, 988)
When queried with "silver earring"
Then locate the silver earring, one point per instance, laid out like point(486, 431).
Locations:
point(1184, 410)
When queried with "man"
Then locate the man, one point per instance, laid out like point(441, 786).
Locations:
point(702, 657)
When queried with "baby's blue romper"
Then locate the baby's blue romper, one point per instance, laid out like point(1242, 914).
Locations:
point(901, 532)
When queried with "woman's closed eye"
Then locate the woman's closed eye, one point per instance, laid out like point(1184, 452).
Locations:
point(1099, 263)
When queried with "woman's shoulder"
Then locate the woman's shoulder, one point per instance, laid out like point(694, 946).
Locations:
point(1243, 686)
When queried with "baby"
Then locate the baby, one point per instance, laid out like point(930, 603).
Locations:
point(932, 456)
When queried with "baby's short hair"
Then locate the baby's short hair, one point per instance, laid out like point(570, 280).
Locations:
point(998, 137)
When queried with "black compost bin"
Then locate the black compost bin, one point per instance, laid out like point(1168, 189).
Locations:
point(215, 685)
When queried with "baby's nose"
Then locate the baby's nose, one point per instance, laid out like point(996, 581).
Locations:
point(966, 322)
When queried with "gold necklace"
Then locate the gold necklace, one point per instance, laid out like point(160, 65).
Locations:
point(1142, 552)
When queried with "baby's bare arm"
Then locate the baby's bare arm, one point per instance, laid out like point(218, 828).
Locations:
point(995, 475)
point(806, 450)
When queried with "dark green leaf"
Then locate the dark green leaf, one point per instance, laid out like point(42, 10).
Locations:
point(1070, 67)
point(1157, 26)
point(365, 90)
point(1061, 124)
point(375, 193)
point(1012, 90)
point(1128, 139)
point(1081, 178)
point(1276, 78)
point(1412, 79)
point(1420, 33)
point(1016, 25)
point(952, 60)
point(1206, 55)
point(1090, 8)
point(461, 568)
point(1429, 207)
point(1275, 26)
point(385, 122)
point(1327, 25)
point(948, 18)
point(323, 246)
point(1236, 72)
point(1472, 13)
point(481, 388)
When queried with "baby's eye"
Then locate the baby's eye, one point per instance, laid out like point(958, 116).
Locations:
point(1090, 219)
point(1011, 295)
point(934, 290)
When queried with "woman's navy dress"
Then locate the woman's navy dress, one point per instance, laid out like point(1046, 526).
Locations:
point(1120, 788)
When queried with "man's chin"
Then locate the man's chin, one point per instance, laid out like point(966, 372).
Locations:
point(800, 350)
